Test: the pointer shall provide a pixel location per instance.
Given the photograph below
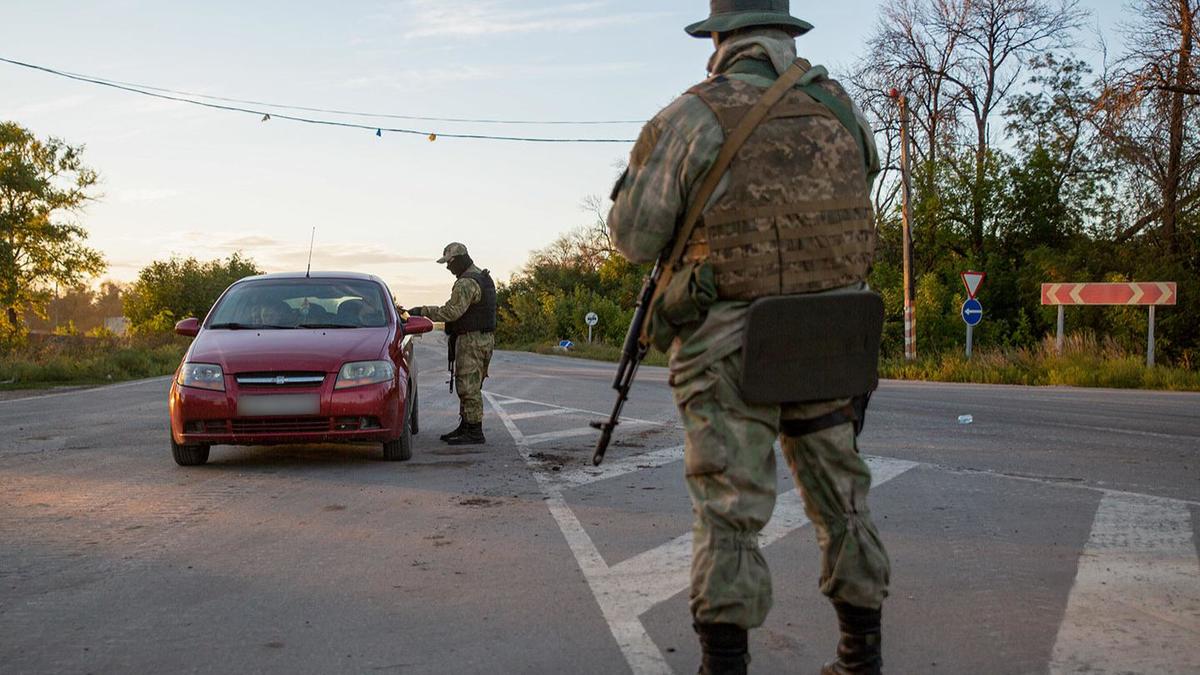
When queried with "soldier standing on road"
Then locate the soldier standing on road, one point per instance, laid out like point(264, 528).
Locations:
point(792, 216)
point(470, 316)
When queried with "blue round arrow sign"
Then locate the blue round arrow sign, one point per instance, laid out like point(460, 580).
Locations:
point(972, 312)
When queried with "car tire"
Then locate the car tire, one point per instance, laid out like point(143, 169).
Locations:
point(189, 455)
point(400, 450)
point(414, 416)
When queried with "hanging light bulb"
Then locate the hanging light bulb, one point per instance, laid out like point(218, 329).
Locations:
point(432, 137)
point(266, 118)
point(379, 133)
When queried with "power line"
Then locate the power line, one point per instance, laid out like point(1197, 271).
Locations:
point(182, 97)
point(356, 113)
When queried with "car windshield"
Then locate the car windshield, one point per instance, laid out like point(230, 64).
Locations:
point(282, 304)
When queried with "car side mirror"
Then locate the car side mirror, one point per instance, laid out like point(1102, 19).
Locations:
point(417, 325)
point(188, 327)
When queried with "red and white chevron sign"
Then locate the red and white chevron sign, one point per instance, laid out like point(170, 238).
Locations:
point(1145, 293)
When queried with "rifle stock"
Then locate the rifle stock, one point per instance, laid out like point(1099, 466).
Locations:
point(632, 353)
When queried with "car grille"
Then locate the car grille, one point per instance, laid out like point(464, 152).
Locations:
point(280, 425)
point(280, 379)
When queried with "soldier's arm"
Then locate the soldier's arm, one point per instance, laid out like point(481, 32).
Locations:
point(667, 163)
point(465, 293)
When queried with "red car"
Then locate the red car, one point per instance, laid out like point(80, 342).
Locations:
point(297, 358)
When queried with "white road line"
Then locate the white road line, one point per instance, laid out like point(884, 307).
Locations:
point(88, 390)
point(534, 439)
point(628, 589)
point(642, 655)
point(539, 413)
point(512, 400)
point(620, 467)
point(1135, 605)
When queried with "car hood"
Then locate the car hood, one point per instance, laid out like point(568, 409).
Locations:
point(240, 351)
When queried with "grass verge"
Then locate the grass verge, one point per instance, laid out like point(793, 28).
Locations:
point(1085, 362)
point(1076, 367)
point(55, 361)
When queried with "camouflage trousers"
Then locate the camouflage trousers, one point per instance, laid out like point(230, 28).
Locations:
point(730, 466)
point(474, 353)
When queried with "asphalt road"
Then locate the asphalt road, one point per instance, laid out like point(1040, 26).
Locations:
point(1055, 533)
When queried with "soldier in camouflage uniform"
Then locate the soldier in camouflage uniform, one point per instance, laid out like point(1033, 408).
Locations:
point(729, 457)
point(470, 316)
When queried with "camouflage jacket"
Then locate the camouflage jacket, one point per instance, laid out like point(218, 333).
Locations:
point(670, 158)
point(465, 293)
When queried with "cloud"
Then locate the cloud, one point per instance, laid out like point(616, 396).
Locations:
point(425, 78)
point(72, 102)
point(137, 195)
point(340, 256)
point(467, 18)
point(252, 241)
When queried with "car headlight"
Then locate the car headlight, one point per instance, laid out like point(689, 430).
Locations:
point(201, 376)
point(359, 373)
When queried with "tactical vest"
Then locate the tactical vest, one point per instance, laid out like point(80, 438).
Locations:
point(797, 216)
point(481, 316)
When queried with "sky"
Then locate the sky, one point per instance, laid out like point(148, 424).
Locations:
point(181, 180)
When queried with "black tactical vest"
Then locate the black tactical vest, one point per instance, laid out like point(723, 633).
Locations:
point(481, 316)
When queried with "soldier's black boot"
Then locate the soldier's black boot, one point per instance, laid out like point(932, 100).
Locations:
point(859, 649)
point(725, 648)
point(472, 434)
point(457, 431)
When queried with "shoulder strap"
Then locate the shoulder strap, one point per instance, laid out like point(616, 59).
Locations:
point(734, 142)
point(840, 111)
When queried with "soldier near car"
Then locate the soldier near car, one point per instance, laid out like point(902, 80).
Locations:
point(789, 222)
point(470, 317)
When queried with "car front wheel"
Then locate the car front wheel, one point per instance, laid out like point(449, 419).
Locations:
point(415, 415)
point(189, 455)
point(400, 450)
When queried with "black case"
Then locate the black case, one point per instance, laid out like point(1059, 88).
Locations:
point(813, 347)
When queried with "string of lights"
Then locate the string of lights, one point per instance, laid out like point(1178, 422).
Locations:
point(267, 115)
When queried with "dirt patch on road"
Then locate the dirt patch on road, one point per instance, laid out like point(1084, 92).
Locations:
point(451, 452)
point(480, 502)
point(552, 461)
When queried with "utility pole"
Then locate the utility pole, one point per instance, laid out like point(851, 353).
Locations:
point(910, 312)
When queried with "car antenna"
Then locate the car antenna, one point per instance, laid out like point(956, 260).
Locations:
point(310, 249)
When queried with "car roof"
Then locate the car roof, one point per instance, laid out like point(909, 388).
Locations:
point(314, 275)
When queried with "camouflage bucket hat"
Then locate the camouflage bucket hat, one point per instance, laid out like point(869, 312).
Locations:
point(452, 250)
point(727, 15)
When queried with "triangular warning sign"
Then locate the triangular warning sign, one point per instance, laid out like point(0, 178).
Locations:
point(972, 281)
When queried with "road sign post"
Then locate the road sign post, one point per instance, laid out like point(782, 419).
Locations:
point(972, 309)
point(591, 320)
point(1058, 341)
point(972, 314)
point(1150, 340)
point(1150, 294)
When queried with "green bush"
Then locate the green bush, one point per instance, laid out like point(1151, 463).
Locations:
point(70, 360)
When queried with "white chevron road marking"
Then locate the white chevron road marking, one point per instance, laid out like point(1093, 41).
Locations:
point(1135, 605)
point(628, 589)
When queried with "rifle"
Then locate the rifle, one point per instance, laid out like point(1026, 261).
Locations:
point(631, 357)
point(451, 353)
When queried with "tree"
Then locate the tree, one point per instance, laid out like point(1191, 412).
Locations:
point(42, 185)
point(579, 272)
point(1151, 106)
point(169, 290)
point(958, 60)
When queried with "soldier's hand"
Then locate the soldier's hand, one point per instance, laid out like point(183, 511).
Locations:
point(416, 311)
